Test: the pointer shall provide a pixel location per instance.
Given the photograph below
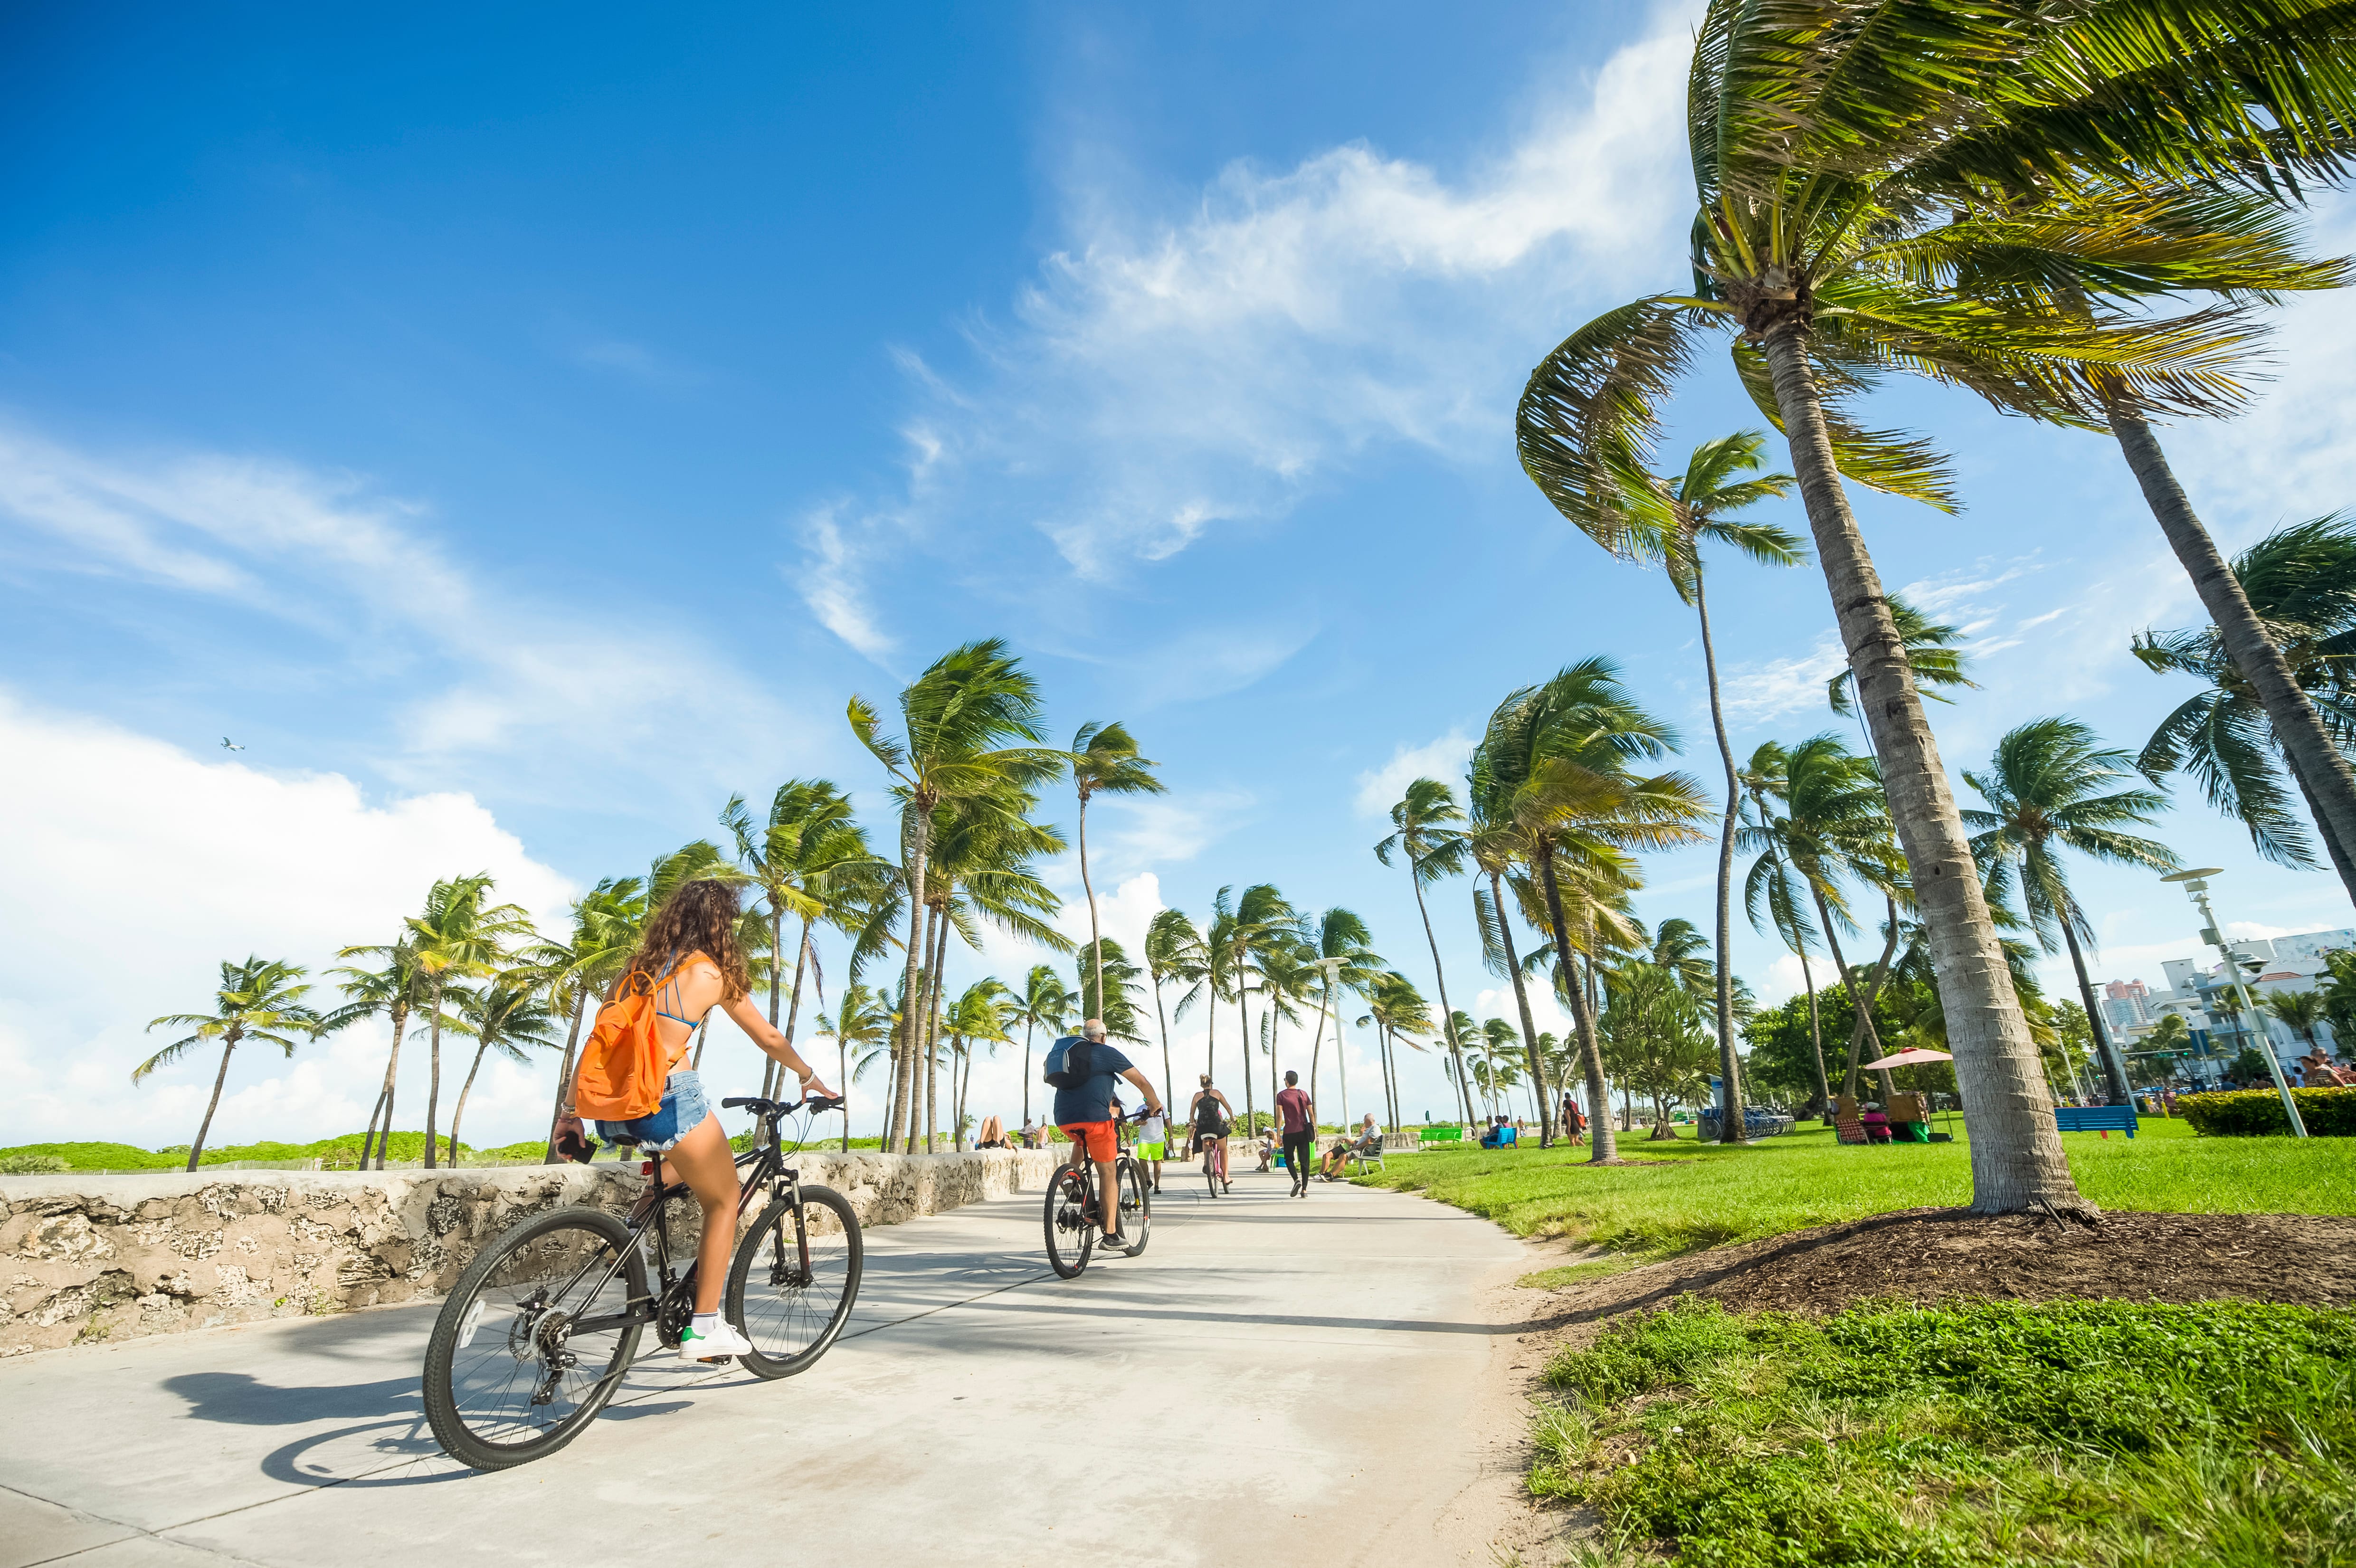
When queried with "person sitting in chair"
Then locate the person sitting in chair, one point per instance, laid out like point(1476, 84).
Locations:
point(1876, 1122)
point(1369, 1143)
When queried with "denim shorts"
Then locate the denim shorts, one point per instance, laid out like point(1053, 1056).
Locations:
point(683, 1111)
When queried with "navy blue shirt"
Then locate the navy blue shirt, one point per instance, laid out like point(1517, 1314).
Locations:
point(1092, 1101)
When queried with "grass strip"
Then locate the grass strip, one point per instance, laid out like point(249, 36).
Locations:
point(1689, 1195)
point(1980, 1432)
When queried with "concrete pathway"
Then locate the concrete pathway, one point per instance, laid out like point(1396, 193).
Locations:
point(1318, 1380)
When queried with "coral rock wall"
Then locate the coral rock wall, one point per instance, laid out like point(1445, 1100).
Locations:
point(119, 1257)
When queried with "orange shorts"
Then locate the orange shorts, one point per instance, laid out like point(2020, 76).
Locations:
point(1096, 1137)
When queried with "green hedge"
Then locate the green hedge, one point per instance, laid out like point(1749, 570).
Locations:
point(2258, 1112)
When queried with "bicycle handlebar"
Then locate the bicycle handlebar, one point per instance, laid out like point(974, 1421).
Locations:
point(770, 1110)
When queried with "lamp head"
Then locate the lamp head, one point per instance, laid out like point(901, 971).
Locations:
point(2196, 879)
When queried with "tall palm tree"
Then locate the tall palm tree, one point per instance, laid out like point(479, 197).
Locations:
point(256, 1000)
point(606, 923)
point(2053, 786)
point(1044, 1003)
point(1557, 760)
point(976, 1021)
point(958, 720)
point(461, 936)
point(1775, 895)
point(396, 990)
point(1340, 934)
point(1105, 762)
point(1426, 832)
point(1174, 951)
point(1866, 199)
point(2300, 582)
point(1497, 843)
point(505, 1016)
point(812, 862)
point(1243, 929)
point(1289, 977)
point(1117, 1008)
point(1398, 1012)
point(1670, 519)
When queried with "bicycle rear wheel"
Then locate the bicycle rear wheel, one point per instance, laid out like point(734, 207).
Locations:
point(789, 1310)
point(1071, 1234)
point(534, 1339)
point(1136, 1207)
point(1211, 1167)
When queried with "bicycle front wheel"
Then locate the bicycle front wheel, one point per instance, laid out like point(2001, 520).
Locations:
point(1211, 1167)
point(792, 1304)
point(534, 1339)
point(1071, 1234)
point(1136, 1207)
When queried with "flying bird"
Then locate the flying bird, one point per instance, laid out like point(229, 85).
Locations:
point(229, 744)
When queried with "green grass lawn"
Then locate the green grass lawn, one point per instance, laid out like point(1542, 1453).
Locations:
point(1690, 1194)
point(2104, 1433)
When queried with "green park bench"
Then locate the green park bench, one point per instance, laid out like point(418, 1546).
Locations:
point(1441, 1135)
point(2095, 1119)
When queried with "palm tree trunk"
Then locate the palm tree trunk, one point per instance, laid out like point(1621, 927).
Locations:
point(1863, 1029)
point(916, 839)
point(368, 1140)
point(391, 1063)
point(793, 1012)
point(2016, 1152)
point(1390, 1082)
point(1095, 939)
point(917, 987)
point(1243, 1047)
point(1605, 1149)
point(776, 946)
point(935, 987)
point(1522, 1001)
point(1169, 1078)
point(197, 1149)
point(843, 1085)
point(434, 1079)
point(2341, 860)
point(2115, 1069)
point(1029, 1024)
point(459, 1109)
point(564, 1071)
point(1730, 1121)
point(1447, 1014)
point(1268, 1037)
point(1317, 1054)
point(1816, 1041)
point(2322, 771)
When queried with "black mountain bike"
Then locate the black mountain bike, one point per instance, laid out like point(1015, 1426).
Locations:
point(1074, 1219)
point(536, 1336)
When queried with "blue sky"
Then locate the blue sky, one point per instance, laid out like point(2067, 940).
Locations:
point(520, 439)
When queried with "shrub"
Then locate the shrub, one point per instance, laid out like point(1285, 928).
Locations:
point(32, 1164)
point(2258, 1112)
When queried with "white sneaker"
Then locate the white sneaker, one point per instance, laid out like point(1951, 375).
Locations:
point(721, 1342)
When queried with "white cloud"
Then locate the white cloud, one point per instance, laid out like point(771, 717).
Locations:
point(1148, 830)
point(141, 868)
point(1759, 692)
point(829, 584)
point(1379, 788)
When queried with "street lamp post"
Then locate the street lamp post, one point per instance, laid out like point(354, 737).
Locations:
point(2196, 882)
point(1333, 968)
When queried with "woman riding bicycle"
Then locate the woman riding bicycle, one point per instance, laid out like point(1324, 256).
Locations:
point(690, 957)
point(1212, 1116)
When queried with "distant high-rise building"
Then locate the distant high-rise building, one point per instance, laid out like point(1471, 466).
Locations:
point(2126, 1007)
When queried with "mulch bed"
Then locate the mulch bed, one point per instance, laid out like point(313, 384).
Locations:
point(1934, 1255)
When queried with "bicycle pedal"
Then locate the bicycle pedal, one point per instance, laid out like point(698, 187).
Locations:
point(713, 1360)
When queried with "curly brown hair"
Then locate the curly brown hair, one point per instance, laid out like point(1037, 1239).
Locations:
point(699, 917)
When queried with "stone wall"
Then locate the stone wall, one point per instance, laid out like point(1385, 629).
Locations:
point(120, 1257)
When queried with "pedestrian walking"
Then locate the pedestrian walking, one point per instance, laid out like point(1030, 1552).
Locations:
point(1574, 1121)
point(1299, 1119)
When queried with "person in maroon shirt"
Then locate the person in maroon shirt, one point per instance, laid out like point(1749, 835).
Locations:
point(1298, 1119)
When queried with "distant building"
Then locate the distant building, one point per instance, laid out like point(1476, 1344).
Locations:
point(2202, 993)
point(2126, 1008)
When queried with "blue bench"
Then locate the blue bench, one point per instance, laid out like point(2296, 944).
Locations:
point(2095, 1119)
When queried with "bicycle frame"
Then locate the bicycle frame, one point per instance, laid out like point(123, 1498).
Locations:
point(767, 1168)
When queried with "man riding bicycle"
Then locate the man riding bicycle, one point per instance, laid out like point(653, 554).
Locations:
point(1212, 1116)
point(1084, 1109)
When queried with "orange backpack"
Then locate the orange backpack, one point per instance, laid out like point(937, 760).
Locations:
point(623, 1066)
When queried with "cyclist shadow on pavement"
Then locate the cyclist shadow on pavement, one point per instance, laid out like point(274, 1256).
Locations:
point(389, 1430)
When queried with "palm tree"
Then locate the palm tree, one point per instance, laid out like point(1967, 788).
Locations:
point(809, 860)
point(1174, 950)
point(1116, 1008)
point(1340, 934)
point(1774, 894)
point(978, 1018)
point(459, 937)
point(1555, 762)
point(503, 1017)
point(396, 990)
point(957, 719)
point(1931, 652)
point(1242, 930)
point(1105, 762)
point(1425, 831)
point(861, 1021)
point(1044, 1003)
point(1868, 199)
point(2051, 786)
point(1289, 977)
point(2300, 581)
point(1398, 1010)
point(1669, 520)
point(257, 1000)
point(1496, 844)
point(606, 923)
